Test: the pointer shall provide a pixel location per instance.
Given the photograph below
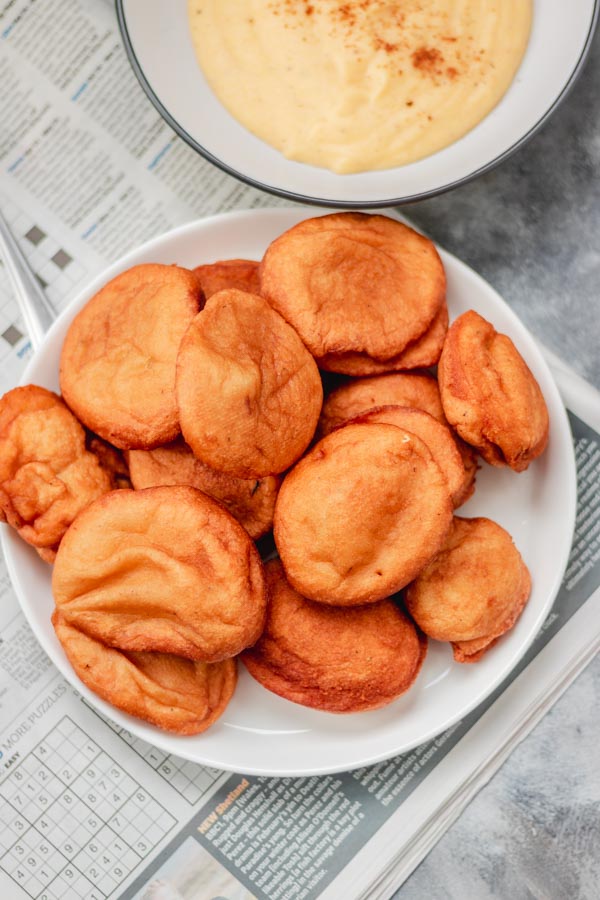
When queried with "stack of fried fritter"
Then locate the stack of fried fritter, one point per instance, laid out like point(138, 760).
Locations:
point(203, 388)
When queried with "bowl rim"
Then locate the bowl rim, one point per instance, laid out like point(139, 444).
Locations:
point(350, 204)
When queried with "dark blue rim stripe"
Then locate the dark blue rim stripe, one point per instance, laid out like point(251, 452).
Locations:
point(348, 204)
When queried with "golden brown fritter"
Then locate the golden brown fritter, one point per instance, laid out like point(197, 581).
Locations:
point(46, 474)
point(489, 394)
point(421, 353)
point(117, 367)
point(229, 273)
point(249, 392)
point(438, 439)
point(361, 514)
point(473, 591)
point(165, 569)
point(339, 660)
point(175, 694)
point(469, 458)
point(251, 501)
point(354, 283)
point(363, 394)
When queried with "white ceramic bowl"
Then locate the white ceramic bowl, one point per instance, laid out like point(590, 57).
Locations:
point(259, 732)
point(159, 47)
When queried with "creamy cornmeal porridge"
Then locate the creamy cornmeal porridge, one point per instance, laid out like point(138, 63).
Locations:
point(357, 85)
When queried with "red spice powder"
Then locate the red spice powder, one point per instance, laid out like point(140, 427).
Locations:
point(380, 44)
point(348, 15)
point(427, 59)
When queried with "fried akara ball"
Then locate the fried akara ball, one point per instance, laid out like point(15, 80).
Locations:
point(363, 394)
point(419, 354)
point(339, 660)
point(176, 694)
point(47, 476)
point(117, 366)
point(354, 283)
point(165, 569)
point(249, 392)
point(249, 500)
point(361, 514)
point(489, 394)
point(228, 273)
point(438, 439)
point(473, 591)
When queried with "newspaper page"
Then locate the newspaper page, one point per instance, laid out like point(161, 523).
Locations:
point(89, 170)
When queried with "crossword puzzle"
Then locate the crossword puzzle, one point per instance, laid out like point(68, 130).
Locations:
point(187, 778)
point(76, 824)
point(57, 272)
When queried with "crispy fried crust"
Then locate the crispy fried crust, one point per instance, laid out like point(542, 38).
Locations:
point(489, 394)
point(46, 474)
point(419, 354)
point(363, 394)
point(250, 501)
point(175, 694)
point(339, 660)
point(436, 436)
point(117, 367)
point(166, 569)
point(229, 273)
point(249, 392)
point(354, 283)
point(469, 459)
point(361, 514)
point(473, 591)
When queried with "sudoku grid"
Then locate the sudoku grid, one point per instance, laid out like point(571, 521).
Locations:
point(75, 823)
point(187, 778)
point(56, 270)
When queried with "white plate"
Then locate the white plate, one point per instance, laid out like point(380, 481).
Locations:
point(159, 47)
point(261, 733)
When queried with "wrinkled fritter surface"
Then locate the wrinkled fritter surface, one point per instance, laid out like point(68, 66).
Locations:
point(173, 693)
point(229, 273)
point(438, 439)
point(248, 390)
point(473, 591)
point(419, 354)
point(339, 660)
point(250, 501)
point(46, 474)
point(165, 569)
point(363, 394)
point(489, 394)
point(117, 367)
point(354, 283)
point(361, 514)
